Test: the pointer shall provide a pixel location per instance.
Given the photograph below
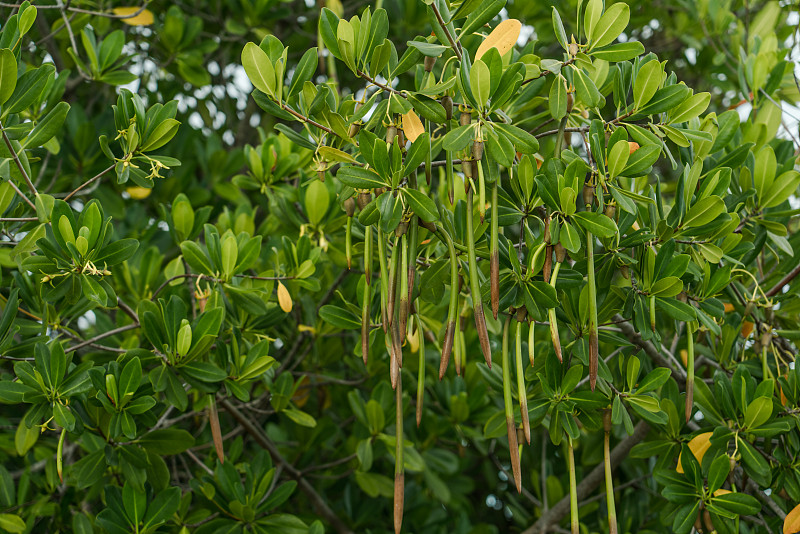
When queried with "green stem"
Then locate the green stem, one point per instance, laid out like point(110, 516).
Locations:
point(551, 316)
point(560, 139)
point(521, 391)
point(458, 346)
point(494, 255)
point(475, 288)
point(421, 372)
point(481, 191)
point(393, 265)
point(511, 427)
point(448, 168)
point(573, 489)
point(652, 305)
point(593, 349)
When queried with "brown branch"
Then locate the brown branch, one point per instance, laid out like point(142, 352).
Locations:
point(678, 373)
point(15, 156)
point(456, 46)
point(317, 501)
point(785, 280)
point(590, 481)
point(102, 336)
point(89, 182)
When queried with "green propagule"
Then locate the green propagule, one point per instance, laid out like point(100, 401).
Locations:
point(548, 262)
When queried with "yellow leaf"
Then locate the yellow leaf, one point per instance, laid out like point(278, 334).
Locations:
point(413, 340)
point(791, 525)
point(684, 357)
point(698, 445)
point(747, 328)
point(721, 492)
point(284, 298)
point(142, 18)
point(412, 126)
point(138, 193)
point(502, 37)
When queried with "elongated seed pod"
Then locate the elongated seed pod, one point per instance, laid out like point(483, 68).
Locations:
point(447, 104)
point(403, 275)
point(494, 254)
point(481, 189)
point(393, 265)
point(365, 304)
point(531, 340)
point(348, 243)
point(216, 432)
point(421, 371)
point(475, 288)
point(60, 455)
point(411, 270)
point(573, 489)
point(452, 309)
point(457, 346)
point(521, 390)
point(399, 476)
point(689, 370)
point(612, 509)
point(593, 348)
point(384, 280)
point(511, 427)
point(551, 316)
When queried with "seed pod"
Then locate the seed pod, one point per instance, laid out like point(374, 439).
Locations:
point(391, 133)
point(363, 199)
point(350, 206)
point(465, 118)
point(626, 273)
point(321, 175)
point(429, 226)
point(588, 195)
point(429, 63)
point(466, 168)
point(354, 129)
point(570, 102)
point(521, 313)
point(561, 253)
point(610, 210)
point(447, 104)
point(477, 150)
point(401, 138)
point(547, 230)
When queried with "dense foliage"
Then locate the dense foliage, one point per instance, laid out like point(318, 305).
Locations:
point(285, 267)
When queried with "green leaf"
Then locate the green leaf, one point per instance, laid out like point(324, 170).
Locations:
point(594, 10)
point(360, 178)
point(421, 204)
point(596, 223)
point(690, 108)
point(738, 503)
point(303, 72)
point(339, 317)
point(8, 74)
point(619, 51)
point(317, 201)
point(12, 523)
point(486, 12)
point(163, 506)
point(758, 412)
point(610, 25)
point(648, 79)
point(480, 82)
point(523, 141)
point(300, 417)
point(704, 211)
point(781, 189)
point(618, 158)
point(375, 417)
point(167, 441)
point(558, 27)
point(428, 49)
point(259, 68)
point(458, 138)
point(557, 100)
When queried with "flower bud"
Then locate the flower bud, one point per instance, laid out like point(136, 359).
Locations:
point(354, 129)
point(573, 49)
point(184, 338)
